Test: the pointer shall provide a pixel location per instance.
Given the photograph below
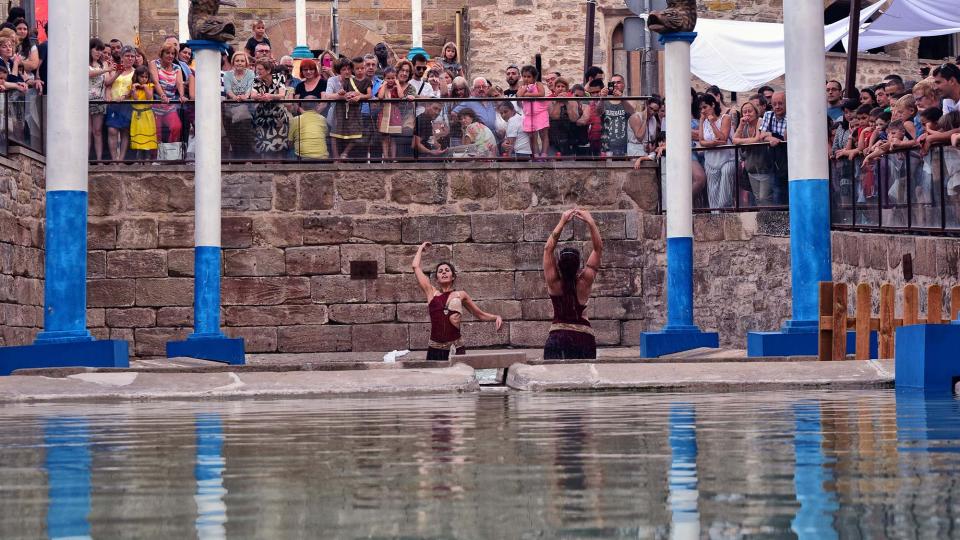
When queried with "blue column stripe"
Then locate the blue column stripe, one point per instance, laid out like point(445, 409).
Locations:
point(206, 292)
point(809, 246)
point(814, 518)
point(68, 459)
point(679, 284)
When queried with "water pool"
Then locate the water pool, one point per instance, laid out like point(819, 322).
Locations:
point(852, 464)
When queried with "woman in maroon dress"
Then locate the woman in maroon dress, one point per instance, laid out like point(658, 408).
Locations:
point(446, 308)
point(571, 336)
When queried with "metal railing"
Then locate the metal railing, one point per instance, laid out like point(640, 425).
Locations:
point(23, 120)
point(376, 131)
point(901, 191)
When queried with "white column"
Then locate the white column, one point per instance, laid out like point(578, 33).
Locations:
point(207, 180)
point(416, 18)
point(183, 24)
point(679, 189)
point(68, 133)
point(301, 22)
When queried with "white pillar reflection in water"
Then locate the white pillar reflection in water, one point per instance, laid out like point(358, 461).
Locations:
point(814, 519)
point(683, 498)
point(67, 461)
point(211, 508)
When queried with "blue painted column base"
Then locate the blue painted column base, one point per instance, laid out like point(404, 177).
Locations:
point(417, 50)
point(217, 348)
point(302, 52)
point(926, 357)
point(94, 354)
point(788, 342)
point(676, 339)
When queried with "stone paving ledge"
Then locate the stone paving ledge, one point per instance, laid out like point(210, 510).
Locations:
point(702, 377)
point(230, 385)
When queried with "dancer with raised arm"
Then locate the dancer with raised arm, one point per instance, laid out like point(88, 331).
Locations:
point(571, 336)
point(445, 305)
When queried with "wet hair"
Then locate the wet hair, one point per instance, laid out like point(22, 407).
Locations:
point(568, 263)
point(453, 270)
point(529, 70)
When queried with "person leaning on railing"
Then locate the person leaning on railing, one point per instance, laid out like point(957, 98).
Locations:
point(101, 71)
point(238, 121)
point(308, 131)
point(270, 121)
point(169, 81)
point(756, 160)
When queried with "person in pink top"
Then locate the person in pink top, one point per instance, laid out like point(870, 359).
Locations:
point(536, 114)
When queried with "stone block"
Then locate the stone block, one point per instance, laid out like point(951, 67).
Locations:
point(322, 338)
point(180, 262)
point(419, 336)
point(538, 309)
point(307, 261)
point(353, 207)
point(390, 288)
point(597, 190)
point(478, 257)
point(278, 231)
point(614, 307)
point(538, 226)
point(624, 254)
point(158, 193)
point(487, 285)
point(285, 193)
point(607, 332)
point(361, 186)
point(515, 192)
point(138, 233)
point(176, 233)
point(105, 196)
point(236, 232)
point(317, 191)
point(490, 228)
point(529, 255)
point(264, 291)
point(338, 289)
point(380, 337)
point(136, 263)
point(612, 225)
point(399, 258)
point(618, 282)
point(95, 317)
point(153, 341)
point(255, 340)
point(111, 292)
point(247, 191)
point(362, 313)
point(361, 252)
point(96, 264)
point(436, 229)
point(26, 261)
point(530, 285)
point(630, 332)
point(531, 334)
point(131, 318)
point(509, 310)
point(413, 312)
point(641, 186)
point(653, 227)
point(474, 184)
point(259, 261)
point(164, 292)
point(175, 316)
point(123, 334)
point(380, 230)
point(286, 315)
point(327, 230)
point(418, 187)
point(632, 224)
point(485, 334)
point(101, 235)
point(708, 228)
point(28, 291)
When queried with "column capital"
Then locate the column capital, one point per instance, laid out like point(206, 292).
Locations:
point(678, 36)
point(205, 44)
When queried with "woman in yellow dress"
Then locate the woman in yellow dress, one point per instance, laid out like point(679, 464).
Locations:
point(143, 124)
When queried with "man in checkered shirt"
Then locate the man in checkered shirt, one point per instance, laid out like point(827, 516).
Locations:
point(775, 123)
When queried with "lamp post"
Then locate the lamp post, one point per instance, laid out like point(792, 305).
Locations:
point(302, 50)
point(807, 180)
point(680, 333)
point(416, 30)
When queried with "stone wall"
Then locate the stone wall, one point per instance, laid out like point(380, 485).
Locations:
point(21, 248)
point(290, 236)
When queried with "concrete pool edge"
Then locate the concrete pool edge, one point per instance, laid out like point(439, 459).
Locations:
point(456, 379)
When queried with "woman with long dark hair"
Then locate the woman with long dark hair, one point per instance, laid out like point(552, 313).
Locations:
point(445, 305)
point(571, 336)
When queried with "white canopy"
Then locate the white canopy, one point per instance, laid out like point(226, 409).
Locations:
point(907, 19)
point(740, 56)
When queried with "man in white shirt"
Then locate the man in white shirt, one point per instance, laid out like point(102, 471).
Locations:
point(421, 88)
point(516, 143)
point(947, 79)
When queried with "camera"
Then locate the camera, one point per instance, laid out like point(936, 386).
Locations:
point(610, 86)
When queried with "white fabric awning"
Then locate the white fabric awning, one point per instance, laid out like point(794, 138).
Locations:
point(740, 56)
point(908, 19)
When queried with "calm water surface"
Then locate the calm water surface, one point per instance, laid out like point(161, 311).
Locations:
point(758, 465)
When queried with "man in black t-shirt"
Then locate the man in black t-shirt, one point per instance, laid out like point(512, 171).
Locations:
point(428, 139)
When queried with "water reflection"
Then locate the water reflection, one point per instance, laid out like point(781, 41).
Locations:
point(67, 462)
point(685, 522)
point(814, 519)
point(211, 509)
point(772, 465)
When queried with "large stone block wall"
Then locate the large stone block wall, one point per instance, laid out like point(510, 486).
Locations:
point(21, 249)
point(290, 236)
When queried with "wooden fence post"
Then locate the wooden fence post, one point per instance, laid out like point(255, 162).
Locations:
point(825, 347)
point(887, 306)
point(863, 314)
point(911, 304)
point(839, 321)
point(935, 304)
point(954, 302)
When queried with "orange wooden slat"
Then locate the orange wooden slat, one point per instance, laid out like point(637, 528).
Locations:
point(825, 343)
point(911, 304)
point(887, 306)
point(864, 307)
point(839, 327)
point(934, 304)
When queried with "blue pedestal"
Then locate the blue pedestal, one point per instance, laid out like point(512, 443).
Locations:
point(674, 340)
point(796, 339)
point(302, 52)
point(216, 348)
point(97, 354)
point(417, 50)
point(926, 357)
